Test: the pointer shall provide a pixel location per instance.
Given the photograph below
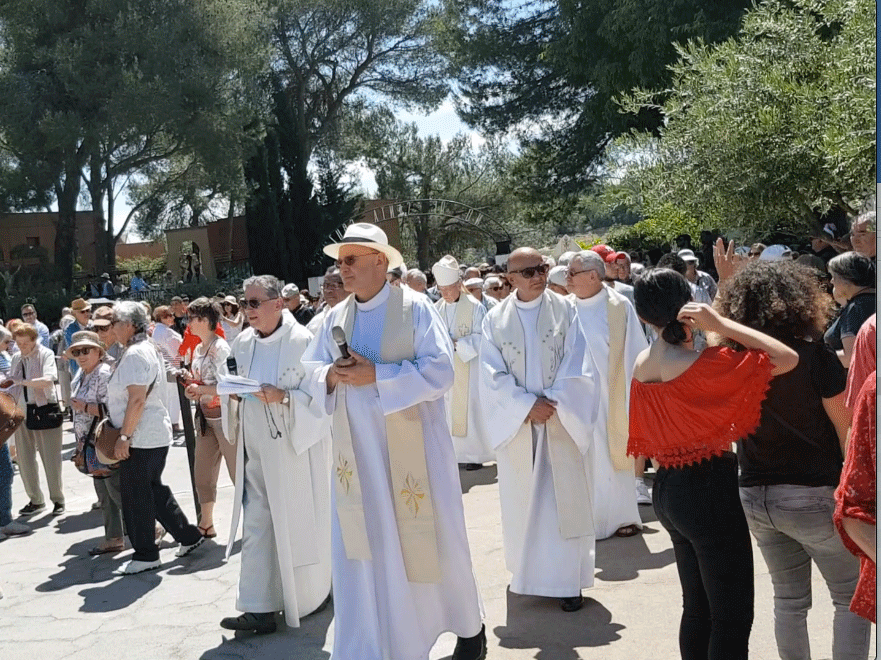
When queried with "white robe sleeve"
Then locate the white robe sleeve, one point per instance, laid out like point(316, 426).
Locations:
point(429, 375)
point(635, 343)
point(468, 348)
point(500, 393)
point(576, 389)
point(317, 361)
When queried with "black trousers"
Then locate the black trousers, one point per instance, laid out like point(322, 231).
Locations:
point(699, 505)
point(145, 499)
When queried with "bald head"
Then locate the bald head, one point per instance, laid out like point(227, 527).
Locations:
point(523, 257)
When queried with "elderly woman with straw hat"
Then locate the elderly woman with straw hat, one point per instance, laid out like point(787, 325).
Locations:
point(89, 394)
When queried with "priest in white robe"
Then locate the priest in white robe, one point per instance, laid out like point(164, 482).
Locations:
point(402, 571)
point(282, 470)
point(537, 379)
point(463, 316)
point(615, 337)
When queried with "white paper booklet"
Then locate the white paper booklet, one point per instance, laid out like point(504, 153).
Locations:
point(236, 385)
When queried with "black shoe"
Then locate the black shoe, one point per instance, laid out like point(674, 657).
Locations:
point(257, 622)
point(30, 509)
point(572, 604)
point(470, 467)
point(58, 509)
point(471, 648)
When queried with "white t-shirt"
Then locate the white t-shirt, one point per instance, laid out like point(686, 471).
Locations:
point(141, 364)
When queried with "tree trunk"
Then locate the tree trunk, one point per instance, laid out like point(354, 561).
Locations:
point(65, 226)
point(96, 194)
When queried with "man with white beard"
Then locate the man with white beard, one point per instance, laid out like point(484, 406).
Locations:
point(615, 337)
point(463, 317)
point(402, 571)
point(536, 378)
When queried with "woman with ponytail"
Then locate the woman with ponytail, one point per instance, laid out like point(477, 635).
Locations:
point(686, 410)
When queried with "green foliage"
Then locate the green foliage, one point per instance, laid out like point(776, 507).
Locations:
point(769, 129)
point(143, 264)
point(551, 70)
point(656, 231)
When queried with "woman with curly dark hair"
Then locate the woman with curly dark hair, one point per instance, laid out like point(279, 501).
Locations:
point(791, 464)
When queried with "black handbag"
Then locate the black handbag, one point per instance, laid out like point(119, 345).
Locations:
point(40, 418)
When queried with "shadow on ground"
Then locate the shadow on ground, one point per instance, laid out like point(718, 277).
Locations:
point(303, 643)
point(485, 476)
point(539, 623)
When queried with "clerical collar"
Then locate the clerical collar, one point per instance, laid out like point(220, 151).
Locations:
point(375, 301)
point(595, 300)
point(273, 336)
point(532, 304)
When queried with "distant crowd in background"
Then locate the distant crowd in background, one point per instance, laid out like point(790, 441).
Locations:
point(620, 362)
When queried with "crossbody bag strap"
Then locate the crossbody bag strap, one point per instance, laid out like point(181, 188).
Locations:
point(24, 389)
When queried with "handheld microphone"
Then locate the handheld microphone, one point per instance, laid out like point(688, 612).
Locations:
point(232, 366)
point(339, 336)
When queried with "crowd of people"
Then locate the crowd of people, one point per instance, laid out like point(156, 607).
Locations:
point(746, 382)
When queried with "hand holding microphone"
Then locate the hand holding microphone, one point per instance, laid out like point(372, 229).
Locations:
point(352, 368)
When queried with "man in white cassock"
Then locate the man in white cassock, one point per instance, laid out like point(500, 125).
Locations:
point(615, 337)
point(536, 377)
point(463, 317)
point(282, 470)
point(402, 570)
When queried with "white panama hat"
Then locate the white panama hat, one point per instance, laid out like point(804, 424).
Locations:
point(446, 271)
point(687, 255)
point(473, 282)
point(370, 236)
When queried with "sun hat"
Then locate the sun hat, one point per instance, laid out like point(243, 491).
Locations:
point(80, 305)
point(446, 271)
point(687, 255)
point(775, 253)
point(474, 281)
point(231, 300)
point(557, 275)
point(290, 290)
point(83, 338)
point(103, 316)
point(370, 236)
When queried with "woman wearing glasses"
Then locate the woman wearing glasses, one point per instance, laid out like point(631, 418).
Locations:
point(89, 389)
point(136, 397)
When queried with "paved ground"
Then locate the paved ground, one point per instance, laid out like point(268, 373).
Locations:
point(61, 604)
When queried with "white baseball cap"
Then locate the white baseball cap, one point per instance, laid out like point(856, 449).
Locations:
point(775, 253)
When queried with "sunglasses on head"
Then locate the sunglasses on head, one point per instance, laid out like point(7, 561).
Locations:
point(85, 350)
point(531, 271)
point(254, 303)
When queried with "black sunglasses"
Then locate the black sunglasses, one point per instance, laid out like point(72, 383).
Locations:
point(85, 350)
point(253, 303)
point(531, 271)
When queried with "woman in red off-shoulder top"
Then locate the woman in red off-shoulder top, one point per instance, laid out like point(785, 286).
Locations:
point(686, 409)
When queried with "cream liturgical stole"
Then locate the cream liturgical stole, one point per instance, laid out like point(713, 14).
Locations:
point(617, 423)
point(411, 488)
point(462, 327)
point(571, 489)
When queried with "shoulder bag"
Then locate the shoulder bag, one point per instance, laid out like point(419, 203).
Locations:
point(106, 436)
point(40, 418)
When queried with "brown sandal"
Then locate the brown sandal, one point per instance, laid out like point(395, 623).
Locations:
point(627, 530)
point(105, 550)
point(208, 532)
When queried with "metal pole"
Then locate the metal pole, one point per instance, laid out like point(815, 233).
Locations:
point(186, 415)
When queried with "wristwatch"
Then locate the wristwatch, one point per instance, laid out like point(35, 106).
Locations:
point(286, 399)
point(124, 438)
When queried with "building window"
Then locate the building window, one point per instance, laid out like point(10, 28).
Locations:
point(33, 241)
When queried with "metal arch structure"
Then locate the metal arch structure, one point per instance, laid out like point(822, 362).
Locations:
point(462, 215)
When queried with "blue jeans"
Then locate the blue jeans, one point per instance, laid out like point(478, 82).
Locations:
point(793, 525)
point(5, 486)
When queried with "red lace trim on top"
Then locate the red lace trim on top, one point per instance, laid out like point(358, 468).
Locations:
point(715, 402)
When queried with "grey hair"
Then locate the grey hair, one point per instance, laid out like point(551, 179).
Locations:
point(4, 334)
point(565, 258)
point(269, 283)
point(590, 260)
point(130, 311)
point(636, 270)
point(868, 216)
point(853, 267)
point(416, 275)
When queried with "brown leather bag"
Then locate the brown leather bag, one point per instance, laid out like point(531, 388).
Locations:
point(106, 436)
point(11, 417)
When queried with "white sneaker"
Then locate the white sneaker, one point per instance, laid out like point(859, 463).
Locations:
point(135, 566)
point(16, 529)
point(184, 550)
point(642, 493)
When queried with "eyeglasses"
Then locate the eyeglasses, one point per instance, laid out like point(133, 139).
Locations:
point(85, 350)
point(349, 260)
point(103, 328)
point(755, 254)
point(495, 288)
point(573, 273)
point(331, 287)
point(27, 314)
point(117, 322)
point(531, 271)
point(254, 303)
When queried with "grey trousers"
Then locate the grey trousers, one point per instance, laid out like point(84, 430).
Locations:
point(793, 526)
point(48, 443)
point(111, 505)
